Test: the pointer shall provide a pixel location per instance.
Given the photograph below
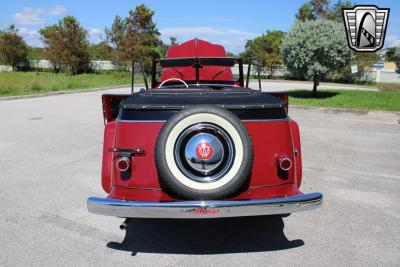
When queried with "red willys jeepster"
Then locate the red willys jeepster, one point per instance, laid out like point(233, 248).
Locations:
point(200, 144)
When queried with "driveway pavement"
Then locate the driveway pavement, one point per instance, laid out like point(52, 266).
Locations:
point(50, 159)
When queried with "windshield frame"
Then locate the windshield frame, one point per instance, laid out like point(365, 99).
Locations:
point(198, 63)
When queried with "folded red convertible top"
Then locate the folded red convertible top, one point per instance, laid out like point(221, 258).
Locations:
point(197, 48)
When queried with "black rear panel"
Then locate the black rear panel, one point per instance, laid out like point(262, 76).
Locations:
point(161, 104)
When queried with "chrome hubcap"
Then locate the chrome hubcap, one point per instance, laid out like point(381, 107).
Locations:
point(204, 152)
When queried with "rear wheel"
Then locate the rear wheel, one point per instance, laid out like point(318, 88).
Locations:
point(204, 152)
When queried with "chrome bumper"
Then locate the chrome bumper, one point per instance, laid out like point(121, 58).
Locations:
point(203, 209)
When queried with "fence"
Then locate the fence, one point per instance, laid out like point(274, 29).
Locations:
point(377, 74)
point(385, 76)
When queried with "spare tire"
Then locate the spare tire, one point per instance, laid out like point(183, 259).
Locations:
point(204, 152)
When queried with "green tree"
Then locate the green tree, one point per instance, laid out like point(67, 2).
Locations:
point(115, 37)
point(335, 12)
point(313, 48)
point(101, 51)
point(266, 50)
point(142, 37)
point(13, 49)
point(35, 53)
point(364, 61)
point(163, 48)
point(321, 9)
point(314, 9)
point(397, 60)
point(305, 13)
point(391, 53)
point(136, 37)
point(66, 45)
point(173, 40)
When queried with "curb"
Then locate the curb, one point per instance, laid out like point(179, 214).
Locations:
point(367, 87)
point(344, 110)
point(326, 109)
point(5, 98)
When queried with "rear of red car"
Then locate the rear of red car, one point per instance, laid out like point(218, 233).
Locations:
point(200, 150)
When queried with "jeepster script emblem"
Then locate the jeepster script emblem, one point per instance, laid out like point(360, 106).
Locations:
point(203, 211)
point(204, 151)
point(365, 27)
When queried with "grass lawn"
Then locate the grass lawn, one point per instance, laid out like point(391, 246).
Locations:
point(357, 99)
point(26, 83)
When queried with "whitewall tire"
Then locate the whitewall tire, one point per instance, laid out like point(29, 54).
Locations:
point(184, 175)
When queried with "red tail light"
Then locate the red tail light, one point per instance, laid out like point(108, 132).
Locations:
point(123, 164)
point(284, 163)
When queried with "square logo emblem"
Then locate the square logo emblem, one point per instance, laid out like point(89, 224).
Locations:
point(365, 27)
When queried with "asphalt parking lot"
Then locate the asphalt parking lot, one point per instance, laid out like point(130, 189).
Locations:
point(50, 159)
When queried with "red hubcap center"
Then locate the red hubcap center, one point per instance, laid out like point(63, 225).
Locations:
point(204, 151)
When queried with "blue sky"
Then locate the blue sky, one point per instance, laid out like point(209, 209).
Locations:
point(229, 23)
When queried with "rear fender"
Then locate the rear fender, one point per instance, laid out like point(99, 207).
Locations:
point(111, 106)
point(297, 150)
point(283, 95)
point(109, 134)
point(110, 113)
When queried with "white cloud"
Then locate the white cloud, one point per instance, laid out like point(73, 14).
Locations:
point(209, 31)
point(36, 16)
point(232, 39)
point(30, 16)
point(395, 43)
point(31, 37)
point(95, 35)
point(25, 32)
point(392, 40)
point(95, 32)
point(57, 10)
point(393, 37)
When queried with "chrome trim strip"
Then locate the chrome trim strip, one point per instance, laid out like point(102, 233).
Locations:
point(179, 107)
point(159, 189)
point(269, 185)
point(259, 120)
point(130, 121)
point(295, 156)
point(264, 120)
point(137, 188)
point(204, 209)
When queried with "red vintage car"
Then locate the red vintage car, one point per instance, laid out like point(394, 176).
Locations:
point(200, 144)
